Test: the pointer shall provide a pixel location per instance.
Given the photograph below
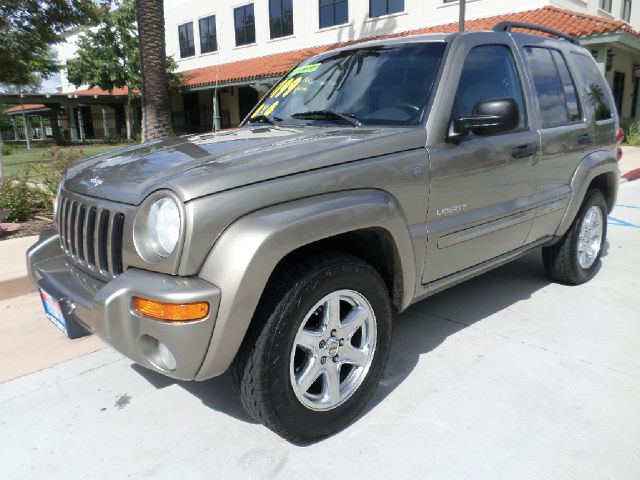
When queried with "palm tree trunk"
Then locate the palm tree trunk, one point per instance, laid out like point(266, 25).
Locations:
point(156, 121)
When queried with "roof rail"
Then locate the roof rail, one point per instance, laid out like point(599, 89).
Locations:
point(507, 26)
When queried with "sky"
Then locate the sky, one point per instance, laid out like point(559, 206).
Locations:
point(50, 85)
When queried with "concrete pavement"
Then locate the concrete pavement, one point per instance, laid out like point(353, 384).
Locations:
point(27, 343)
point(630, 159)
point(506, 376)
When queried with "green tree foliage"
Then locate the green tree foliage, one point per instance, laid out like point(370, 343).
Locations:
point(29, 27)
point(108, 56)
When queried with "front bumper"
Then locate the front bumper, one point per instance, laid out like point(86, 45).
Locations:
point(106, 308)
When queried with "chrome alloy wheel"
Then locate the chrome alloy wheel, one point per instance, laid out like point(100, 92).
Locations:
point(590, 237)
point(333, 350)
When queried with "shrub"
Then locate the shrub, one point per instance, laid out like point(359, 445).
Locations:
point(632, 134)
point(21, 199)
point(7, 149)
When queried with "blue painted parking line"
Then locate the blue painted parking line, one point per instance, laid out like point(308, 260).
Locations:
point(628, 206)
point(621, 223)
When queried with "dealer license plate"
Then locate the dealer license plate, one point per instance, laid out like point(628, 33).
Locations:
point(53, 311)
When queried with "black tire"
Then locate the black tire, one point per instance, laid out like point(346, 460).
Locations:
point(561, 259)
point(261, 369)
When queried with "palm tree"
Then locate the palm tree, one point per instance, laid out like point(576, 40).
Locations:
point(156, 121)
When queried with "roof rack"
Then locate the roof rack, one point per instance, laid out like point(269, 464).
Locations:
point(507, 26)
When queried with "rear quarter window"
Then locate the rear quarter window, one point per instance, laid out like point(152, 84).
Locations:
point(556, 92)
point(594, 87)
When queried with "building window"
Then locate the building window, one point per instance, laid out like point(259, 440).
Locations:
point(208, 42)
point(245, 25)
point(281, 18)
point(606, 5)
point(377, 8)
point(185, 37)
point(333, 12)
point(626, 10)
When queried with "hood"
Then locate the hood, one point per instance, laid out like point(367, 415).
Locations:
point(199, 165)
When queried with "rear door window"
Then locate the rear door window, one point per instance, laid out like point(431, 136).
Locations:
point(489, 72)
point(556, 92)
point(594, 87)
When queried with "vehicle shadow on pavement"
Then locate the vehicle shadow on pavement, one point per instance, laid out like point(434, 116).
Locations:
point(217, 393)
point(417, 331)
point(427, 324)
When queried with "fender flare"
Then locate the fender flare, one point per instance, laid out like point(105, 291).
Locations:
point(243, 258)
point(591, 166)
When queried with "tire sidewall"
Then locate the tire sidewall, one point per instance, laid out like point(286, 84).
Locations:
point(292, 311)
point(594, 198)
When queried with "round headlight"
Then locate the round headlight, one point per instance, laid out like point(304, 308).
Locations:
point(163, 226)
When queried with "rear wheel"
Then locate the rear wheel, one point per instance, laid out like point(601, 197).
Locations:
point(575, 259)
point(321, 350)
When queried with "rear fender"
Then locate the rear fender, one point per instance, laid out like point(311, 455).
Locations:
point(592, 166)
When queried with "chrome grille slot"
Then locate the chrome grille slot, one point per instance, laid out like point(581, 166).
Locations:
point(82, 211)
point(73, 230)
point(91, 236)
point(102, 238)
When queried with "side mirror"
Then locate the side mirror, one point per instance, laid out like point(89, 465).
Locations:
point(489, 117)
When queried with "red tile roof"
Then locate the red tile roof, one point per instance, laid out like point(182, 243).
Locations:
point(565, 21)
point(27, 106)
point(99, 91)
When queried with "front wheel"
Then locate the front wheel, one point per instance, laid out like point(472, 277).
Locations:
point(575, 259)
point(321, 350)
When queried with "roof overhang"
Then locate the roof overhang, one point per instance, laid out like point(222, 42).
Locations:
point(61, 99)
point(621, 39)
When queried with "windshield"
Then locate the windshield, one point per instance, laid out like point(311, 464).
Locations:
point(379, 85)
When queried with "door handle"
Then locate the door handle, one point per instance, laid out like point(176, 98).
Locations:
point(523, 151)
point(585, 139)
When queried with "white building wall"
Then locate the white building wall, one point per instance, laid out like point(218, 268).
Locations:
point(592, 7)
point(418, 13)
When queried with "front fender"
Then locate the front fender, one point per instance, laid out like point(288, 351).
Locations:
point(245, 255)
point(593, 165)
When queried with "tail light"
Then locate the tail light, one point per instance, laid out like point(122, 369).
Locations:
point(620, 135)
point(619, 154)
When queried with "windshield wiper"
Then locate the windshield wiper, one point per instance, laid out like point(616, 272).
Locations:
point(265, 118)
point(329, 115)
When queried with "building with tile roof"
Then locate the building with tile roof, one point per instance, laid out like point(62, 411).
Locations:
point(232, 51)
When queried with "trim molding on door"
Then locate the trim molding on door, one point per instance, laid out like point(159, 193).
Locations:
point(485, 229)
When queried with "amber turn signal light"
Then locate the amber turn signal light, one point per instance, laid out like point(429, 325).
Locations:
point(171, 312)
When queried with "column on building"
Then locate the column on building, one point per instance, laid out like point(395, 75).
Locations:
point(105, 123)
point(55, 124)
point(73, 127)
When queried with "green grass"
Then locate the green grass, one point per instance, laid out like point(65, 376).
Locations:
point(21, 158)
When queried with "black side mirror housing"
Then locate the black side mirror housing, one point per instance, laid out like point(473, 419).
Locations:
point(489, 117)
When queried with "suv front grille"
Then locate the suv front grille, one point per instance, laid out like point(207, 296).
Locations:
point(91, 236)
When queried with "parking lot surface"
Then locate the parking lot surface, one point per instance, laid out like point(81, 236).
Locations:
point(507, 376)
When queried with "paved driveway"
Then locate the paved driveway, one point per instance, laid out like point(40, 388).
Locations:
point(507, 376)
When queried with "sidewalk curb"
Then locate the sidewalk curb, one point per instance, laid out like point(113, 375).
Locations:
point(632, 175)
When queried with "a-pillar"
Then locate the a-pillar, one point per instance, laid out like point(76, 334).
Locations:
point(105, 123)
